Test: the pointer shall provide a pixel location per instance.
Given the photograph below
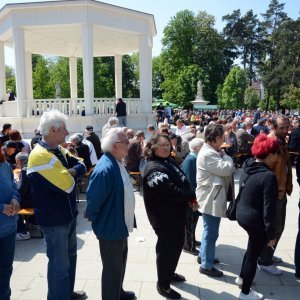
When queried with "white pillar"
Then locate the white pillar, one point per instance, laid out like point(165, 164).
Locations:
point(29, 87)
point(73, 83)
point(73, 77)
point(2, 73)
point(145, 63)
point(88, 68)
point(118, 76)
point(19, 47)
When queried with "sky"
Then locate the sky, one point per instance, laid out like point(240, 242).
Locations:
point(164, 10)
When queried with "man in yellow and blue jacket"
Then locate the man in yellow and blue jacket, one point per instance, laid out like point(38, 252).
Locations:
point(53, 172)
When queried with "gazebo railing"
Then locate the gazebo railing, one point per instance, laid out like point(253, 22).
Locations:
point(76, 107)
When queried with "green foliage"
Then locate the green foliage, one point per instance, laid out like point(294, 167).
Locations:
point(188, 41)
point(130, 75)
point(234, 89)
point(291, 99)
point(252, 98)
point(59, 72)
point(157, 78)
point(10, 79)
point(41, 80)
point(104, 77)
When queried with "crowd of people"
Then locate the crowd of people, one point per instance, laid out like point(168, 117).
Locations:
point(187, 176)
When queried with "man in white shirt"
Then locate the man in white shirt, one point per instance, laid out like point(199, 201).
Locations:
point(181, 128)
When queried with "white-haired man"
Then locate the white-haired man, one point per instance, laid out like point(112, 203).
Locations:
point(53, 172)
point(110, 207)
point(112, 122)
point(189, 168)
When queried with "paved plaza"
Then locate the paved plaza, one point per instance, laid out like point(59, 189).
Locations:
point(30, 266)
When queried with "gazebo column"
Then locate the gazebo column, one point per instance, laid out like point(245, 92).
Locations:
point(2, 73)
point(29, 88)
point(73, 83)
point(145, 63)
point(88, 68)
point(19, 47)
point(118, 76)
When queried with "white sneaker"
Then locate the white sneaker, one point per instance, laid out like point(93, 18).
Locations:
point(239, 281)
point(251, 296)
point(270, 269)
point(276, 259)
point(22, 236)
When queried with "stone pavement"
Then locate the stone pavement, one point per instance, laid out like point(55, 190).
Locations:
point(30, 266)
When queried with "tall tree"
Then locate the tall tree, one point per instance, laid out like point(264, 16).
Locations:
point(157, 78)
point(272, 19)
point(233, 91)
point(10, 79)
point(243, 34)
point(41, 80)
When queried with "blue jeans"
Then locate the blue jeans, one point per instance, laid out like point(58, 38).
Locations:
point(7, 251)
point(122, 121)
point(210, 235)
point(297, 249)
point(62, 254)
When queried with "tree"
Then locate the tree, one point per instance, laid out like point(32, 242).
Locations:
point(190, 41)
point(272, 19)
point(10, 79)
point(157, 78)
point(243, 33)
point(41, 80)
point(179, 42)
point(291, 99)
point(59, 72)
point(211, 54)
point(251, 98)
point(130, 75)
point(234, 89)
point(187, 84)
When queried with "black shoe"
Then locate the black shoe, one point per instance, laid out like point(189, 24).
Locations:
point(216, 260)
point(211, 272)
point(197, 243)
point(79, 295)
point(191, 251)
point(167, 292)
point(178, 278)
point(127, 295)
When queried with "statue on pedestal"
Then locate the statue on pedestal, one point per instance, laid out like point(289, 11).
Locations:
point(199, 91)
point(57, 90)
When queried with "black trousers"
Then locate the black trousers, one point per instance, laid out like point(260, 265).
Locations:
point(256, 243)
point(190, 228)
point(114, 259)
point(297, 249)
point(168, 249)
point(267, 253)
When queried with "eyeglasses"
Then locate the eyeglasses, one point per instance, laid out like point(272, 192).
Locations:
point(120, 142)
point(164, 145)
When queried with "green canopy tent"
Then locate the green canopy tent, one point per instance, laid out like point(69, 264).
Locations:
point(164, 103)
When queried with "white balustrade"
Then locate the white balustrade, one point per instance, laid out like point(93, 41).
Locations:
point(76, 107)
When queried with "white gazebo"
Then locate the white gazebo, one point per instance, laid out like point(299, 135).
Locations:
point(77, 28)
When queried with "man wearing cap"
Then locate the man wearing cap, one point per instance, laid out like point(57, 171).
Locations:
point(91, 136)
point(135, 151)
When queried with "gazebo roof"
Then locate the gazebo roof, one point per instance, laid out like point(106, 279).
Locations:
point(55, 27)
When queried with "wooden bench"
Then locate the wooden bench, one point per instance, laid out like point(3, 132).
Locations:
point(25, 213)
point(83, 182)
point(138, 177)
point(239, 158)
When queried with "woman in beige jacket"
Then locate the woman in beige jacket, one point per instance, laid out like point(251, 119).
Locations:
point(214, 171)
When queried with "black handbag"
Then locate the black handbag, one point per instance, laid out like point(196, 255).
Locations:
point(231, 210)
